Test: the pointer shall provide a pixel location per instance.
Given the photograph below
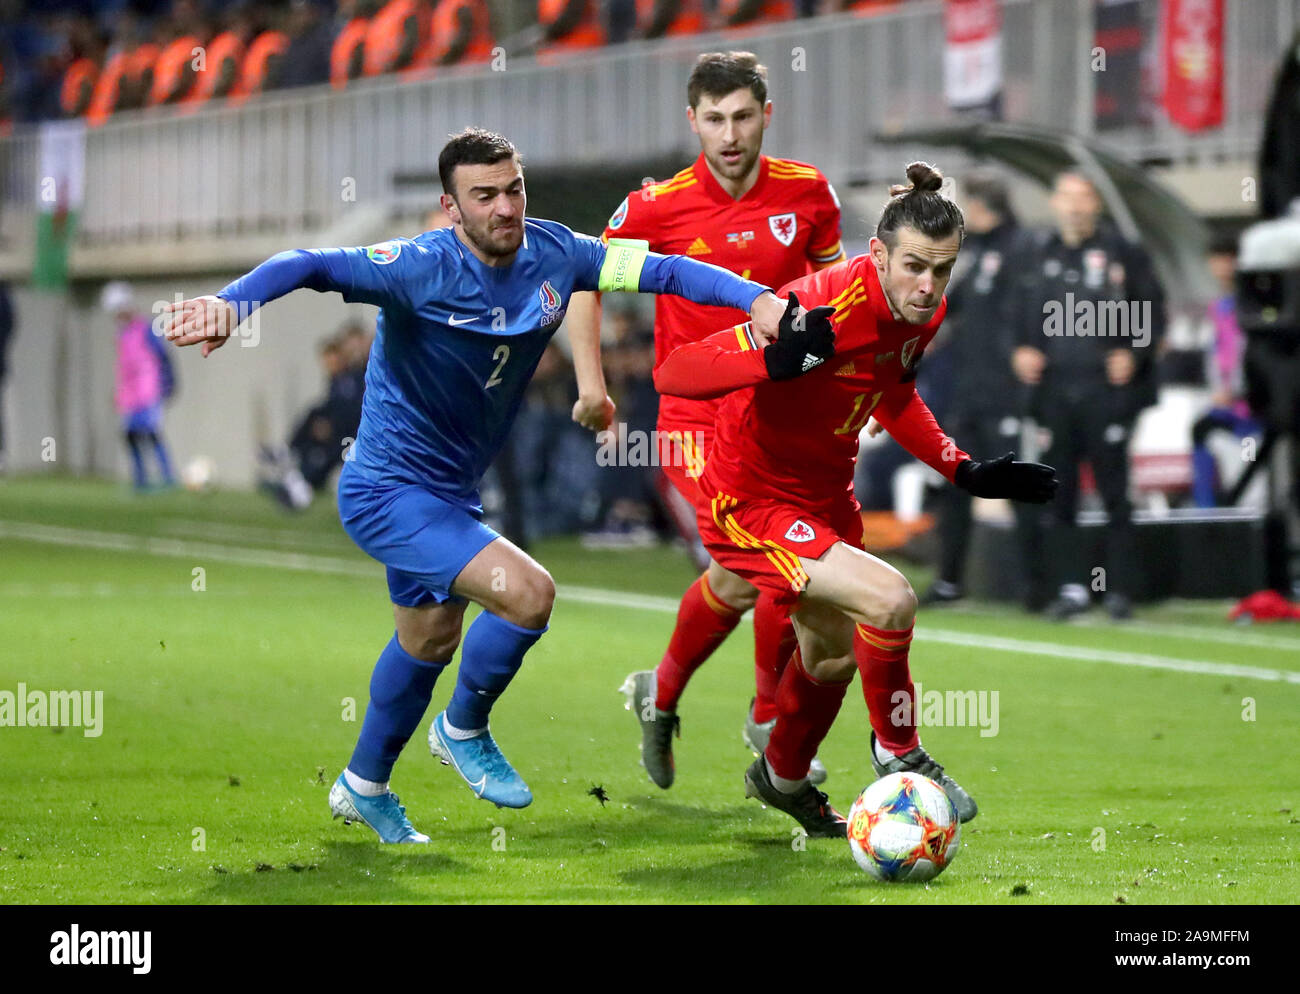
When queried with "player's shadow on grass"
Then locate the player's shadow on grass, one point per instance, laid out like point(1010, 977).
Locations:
point(361, 870)
point(769, 875)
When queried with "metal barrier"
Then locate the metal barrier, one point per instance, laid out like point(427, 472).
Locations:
point(298, 160)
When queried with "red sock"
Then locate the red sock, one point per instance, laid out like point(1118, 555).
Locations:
point(774, 642)
point(703, 622)
point(806, 710)
point(887, 685)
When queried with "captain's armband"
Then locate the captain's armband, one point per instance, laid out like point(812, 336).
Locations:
point(624, 261)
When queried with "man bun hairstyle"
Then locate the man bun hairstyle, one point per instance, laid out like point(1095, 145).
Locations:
point(920, 205)
point(717, 74)
point(472, 147)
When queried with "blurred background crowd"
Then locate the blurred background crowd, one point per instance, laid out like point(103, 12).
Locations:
point(1128, 181)
point(75, 58)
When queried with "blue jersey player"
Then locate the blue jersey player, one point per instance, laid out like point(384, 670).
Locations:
point(466, 313)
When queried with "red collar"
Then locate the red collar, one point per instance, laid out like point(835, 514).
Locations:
point(714, 189)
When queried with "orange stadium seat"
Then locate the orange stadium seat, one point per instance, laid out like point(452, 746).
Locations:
point(78, 87)
point(398, 38)
point(262, 50)
point(348, 56)
point(220, 72)
point(173, 73)
point(587, 32)
point(687, 20)
point(746, 13)
point(447, 30)
point(108, 89)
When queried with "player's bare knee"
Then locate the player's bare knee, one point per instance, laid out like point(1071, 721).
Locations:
point(890, 604)
point(734, 591)
point(429, 644)
point(530, 606)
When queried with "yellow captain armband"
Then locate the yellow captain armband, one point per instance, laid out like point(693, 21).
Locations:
point(624, 261)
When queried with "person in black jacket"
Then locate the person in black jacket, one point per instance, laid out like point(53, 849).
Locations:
point(983, 405)
point(1087, 313)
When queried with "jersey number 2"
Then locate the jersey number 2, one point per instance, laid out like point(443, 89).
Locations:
point(502, 355)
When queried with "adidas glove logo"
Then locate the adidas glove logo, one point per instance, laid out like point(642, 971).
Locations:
point(810, 360)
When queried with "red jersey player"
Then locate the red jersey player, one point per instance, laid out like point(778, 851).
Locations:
point(771, 220)
point(780, 477)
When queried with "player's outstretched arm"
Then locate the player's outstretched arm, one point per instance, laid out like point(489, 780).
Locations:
point(734, 359)
point(210, 320)
point(630, 266)
point(594, 409)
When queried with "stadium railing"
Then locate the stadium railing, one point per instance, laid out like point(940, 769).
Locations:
point(295, 163)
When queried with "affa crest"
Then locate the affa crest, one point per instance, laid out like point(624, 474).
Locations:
point(783, 227)
point(552, 304)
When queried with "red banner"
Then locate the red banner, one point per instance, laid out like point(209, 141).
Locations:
point(972, 53)
point(1192, 58)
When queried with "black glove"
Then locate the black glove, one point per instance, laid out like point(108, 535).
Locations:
point(1003, 477)
point(804, 341)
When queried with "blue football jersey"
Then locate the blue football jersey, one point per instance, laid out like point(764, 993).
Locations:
point(456, 343)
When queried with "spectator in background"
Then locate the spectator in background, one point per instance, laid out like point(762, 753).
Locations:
point(1085, 390)
point(310, 30)
point(144, 382)
point(627, 487)
point(294, 474)
point(983, 409)
point(1228, 408)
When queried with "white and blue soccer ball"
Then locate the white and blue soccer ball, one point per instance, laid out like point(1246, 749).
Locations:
point(199, 474)
point(903, 827)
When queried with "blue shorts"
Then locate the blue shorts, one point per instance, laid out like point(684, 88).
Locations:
point(144, 419)
point(423, 540)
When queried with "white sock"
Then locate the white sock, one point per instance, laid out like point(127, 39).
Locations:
point(460, 734)
point(366, 788)
point(883, 755)
point(781, 783)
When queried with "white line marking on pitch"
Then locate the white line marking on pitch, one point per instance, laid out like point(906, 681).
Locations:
point(116, 542)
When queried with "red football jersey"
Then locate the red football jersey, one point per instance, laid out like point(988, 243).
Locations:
point(785, 224)
point(797, 440)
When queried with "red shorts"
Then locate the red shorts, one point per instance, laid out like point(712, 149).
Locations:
point(762, 540)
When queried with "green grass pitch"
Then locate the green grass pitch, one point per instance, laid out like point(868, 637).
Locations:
point(1149, 763)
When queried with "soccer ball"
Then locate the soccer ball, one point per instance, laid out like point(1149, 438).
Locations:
point(903, 827)
point(197, 475)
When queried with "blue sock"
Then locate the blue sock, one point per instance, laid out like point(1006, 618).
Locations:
point(164, 463)
point(493, 652)
point(137, 462)
point(400, 690)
